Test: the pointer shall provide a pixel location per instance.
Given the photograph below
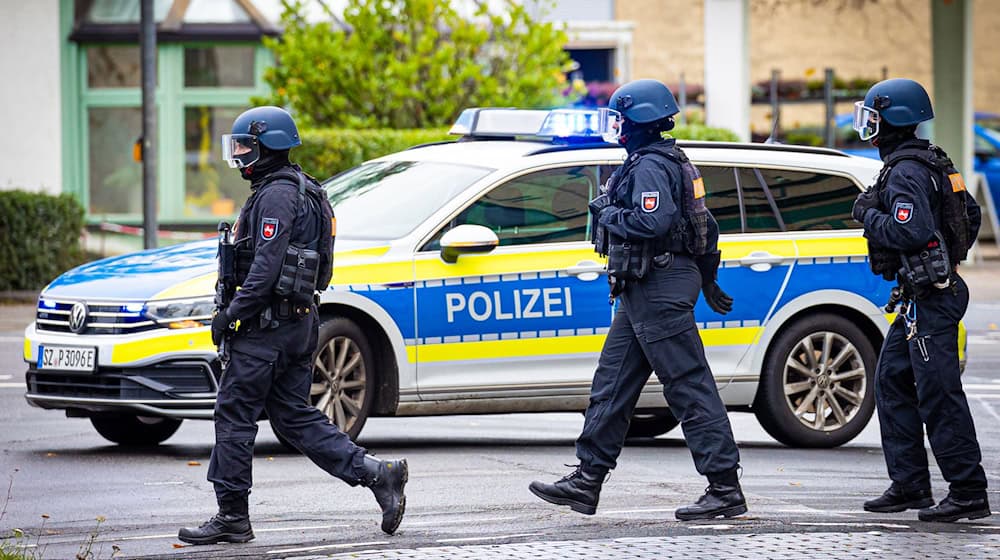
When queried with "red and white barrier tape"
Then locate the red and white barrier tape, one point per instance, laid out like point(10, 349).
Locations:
point(134, 230)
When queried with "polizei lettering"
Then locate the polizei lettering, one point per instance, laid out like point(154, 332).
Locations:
point(527, 303)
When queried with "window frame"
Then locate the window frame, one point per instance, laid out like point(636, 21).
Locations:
point(172, 98)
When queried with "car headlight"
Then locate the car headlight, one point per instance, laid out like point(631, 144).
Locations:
point(181, 313)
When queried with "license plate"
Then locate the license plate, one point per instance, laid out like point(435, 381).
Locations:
point(67, 358)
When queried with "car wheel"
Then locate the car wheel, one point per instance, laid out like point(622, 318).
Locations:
point(651, 425)
point(343, 375)
point(135, 431)
point(817, 388)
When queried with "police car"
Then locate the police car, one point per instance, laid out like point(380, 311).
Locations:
point(464, 283)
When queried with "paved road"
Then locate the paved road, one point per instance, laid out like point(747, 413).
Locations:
point(468, 492)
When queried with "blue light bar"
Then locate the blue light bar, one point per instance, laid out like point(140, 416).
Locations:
point(48, 303)
point(593, 125)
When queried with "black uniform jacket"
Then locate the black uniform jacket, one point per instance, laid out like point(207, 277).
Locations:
point(909, 210)
point(647, 196)
point(268, 223)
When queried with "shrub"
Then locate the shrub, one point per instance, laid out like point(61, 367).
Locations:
point(40, 238)
point(702, 132)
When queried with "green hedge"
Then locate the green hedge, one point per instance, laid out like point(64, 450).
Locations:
point(326, 152)
point(702, 132)
point(39, 238)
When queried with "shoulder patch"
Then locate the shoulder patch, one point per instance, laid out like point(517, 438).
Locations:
point(268, 228)
point(903, 212)
point(650, 201)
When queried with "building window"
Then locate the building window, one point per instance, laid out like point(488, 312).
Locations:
point(211, 188)
point(113, 66)
point(221, 66)
point(115, 177)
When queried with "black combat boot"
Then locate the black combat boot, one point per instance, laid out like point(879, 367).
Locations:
point(897, 499)
point(722, 497)
point(580, 489)
point(952, 509)
point(231, 524)
point(386, 480)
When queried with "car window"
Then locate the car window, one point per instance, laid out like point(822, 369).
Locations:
point(805, 201)
point(723, 191)
point(388, 199)
point(757, 200)
point(547, 206)
point(984, 147)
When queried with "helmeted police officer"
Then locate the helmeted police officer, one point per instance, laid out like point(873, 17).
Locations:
point(270, 329)
point(660, 241)
point(920, 222)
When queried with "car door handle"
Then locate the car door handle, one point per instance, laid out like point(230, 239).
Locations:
point(586, 270)
point(761, 261)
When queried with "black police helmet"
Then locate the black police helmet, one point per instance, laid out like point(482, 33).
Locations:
point(900, 102)
point(273, 127)
point(644, 101)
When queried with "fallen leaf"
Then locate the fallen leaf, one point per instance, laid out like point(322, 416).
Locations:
point(194, 464)
point(45, 516)
point(178, 545)
point(50, 454)
point(795, 484)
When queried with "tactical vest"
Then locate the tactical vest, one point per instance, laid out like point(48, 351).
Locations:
point(953, 217)
point(308, 265)
point(692, 232)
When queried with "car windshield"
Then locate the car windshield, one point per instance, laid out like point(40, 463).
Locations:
point(388, 199)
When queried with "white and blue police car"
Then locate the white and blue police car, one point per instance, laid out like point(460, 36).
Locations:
point(464, 283)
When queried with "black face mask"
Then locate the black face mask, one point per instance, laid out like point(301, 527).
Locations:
point(635, 135)
point(269, 162)
point(890, 137)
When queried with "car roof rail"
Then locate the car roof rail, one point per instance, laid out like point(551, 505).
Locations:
point(702, 144)
point(774, 147)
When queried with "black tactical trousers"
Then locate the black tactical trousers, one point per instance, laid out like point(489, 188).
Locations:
point(271, 371)
point(654, 330)
point(917, 383)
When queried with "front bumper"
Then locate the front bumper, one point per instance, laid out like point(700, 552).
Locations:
point(154, 373)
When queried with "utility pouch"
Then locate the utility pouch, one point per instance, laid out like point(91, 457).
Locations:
point(244, 259)
point(928, 267)
point(628, 261)
point(299, 273)
point(599, 233)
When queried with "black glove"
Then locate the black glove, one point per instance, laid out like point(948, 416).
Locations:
point(220, 326)
point(719, 301)
point(599, 203)
point(864, 202)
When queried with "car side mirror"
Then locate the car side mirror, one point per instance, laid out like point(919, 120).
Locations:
point(467, 238)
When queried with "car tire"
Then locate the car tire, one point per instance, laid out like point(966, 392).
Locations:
point(820, 401)
point(344, 381)
point(135, 431)
point(651, 425)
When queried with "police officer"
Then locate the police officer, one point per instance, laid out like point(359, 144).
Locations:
point(920, 222)
point(661, 245)
point(271, 328)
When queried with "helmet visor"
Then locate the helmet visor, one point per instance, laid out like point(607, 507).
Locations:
point(240, 150)
point(609, 124)
point(866, 121)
